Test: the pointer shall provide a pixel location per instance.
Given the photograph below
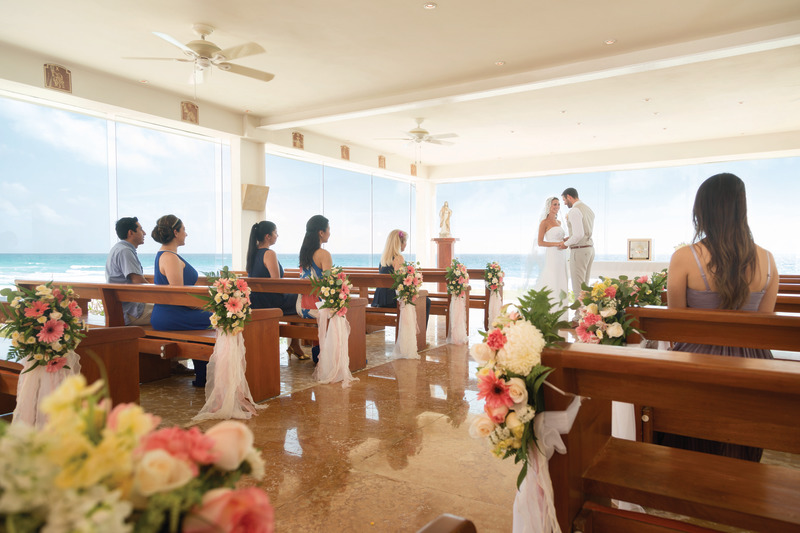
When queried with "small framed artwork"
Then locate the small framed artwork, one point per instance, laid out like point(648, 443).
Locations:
point(640, 249)
point(190, 112)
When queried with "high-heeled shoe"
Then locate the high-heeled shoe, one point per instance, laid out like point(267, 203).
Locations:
point(299, 353)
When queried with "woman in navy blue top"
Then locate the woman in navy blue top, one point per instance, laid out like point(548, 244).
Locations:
point(262, 262)
point(172, 269)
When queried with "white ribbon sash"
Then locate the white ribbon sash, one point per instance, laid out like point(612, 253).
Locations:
point(406, 345)
point(227, 392)
point(458, 320)
point(334, 359)
point(35, 385)
point(495, 305)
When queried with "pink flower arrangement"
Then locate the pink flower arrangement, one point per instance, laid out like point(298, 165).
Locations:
point(457, 278)
point(44, 325)
point(229, 302)
point(333, 288)
point(407, 280)
point(242, 511)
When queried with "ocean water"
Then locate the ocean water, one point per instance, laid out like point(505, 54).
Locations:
point(520, 269)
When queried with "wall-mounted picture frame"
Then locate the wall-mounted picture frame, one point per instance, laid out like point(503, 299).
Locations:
point(640, 249)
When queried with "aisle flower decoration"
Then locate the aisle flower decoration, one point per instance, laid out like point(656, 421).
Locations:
point(493, 276)
point(407, 281)
point(510, 379)
point(228, 300)
point(601, 307)
point(227, 392)
point(45, 326)
point(95, 468)
point(334, 288)
point(458, 288)
point(510, 375)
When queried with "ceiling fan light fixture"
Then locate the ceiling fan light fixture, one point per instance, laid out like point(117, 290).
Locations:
point(500, 63)
point(610, 41)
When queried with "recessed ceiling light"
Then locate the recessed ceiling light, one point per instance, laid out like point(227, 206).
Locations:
point(499, 63)
point(144, 81)
point(610, 41)
point(429, 5)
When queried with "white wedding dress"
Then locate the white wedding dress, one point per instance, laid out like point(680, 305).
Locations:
point(554, 273)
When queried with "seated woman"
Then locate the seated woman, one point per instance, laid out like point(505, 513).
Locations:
point(722, 269)
point(314, 260)
point(391, 260)
point(172, 269)
point(262, 262)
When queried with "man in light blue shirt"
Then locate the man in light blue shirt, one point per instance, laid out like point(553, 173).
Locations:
point(123, 266)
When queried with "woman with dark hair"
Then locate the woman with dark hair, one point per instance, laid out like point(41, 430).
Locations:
point(172, 269)
point(722, 269)
point(392, 259)
point(262, 262)
point(314, 260)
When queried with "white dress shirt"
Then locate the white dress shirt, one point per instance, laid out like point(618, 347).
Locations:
point(575, 218)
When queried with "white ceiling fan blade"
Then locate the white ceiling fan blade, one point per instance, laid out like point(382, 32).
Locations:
point(393, 139)
point(162, 59)
point(245, 71)
point(436, 141)
point(236, 52)
point(443, 136)
point(175, 42)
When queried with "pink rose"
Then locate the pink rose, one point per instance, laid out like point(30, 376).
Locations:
point(513, 315)
point(242, 511)
point(190, 445)
point(341, 312)
point(58, 295)
point(232, 442)
point(497, 413)
point(643, 279)
point(496, 339)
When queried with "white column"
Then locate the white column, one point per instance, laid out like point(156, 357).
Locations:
point(427, 227)
point(247, 166)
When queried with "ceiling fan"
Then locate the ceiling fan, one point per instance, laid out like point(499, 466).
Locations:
point(420, 135)
point(205, 54)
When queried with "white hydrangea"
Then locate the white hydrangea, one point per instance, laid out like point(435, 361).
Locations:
point(26, 478)
point(93, 510)
point(523, 349)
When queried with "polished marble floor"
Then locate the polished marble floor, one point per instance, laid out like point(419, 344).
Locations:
point(389, 454)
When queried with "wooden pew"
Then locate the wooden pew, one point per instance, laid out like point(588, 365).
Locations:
point(297, 327)
point(747, 401)
point(117, 349)
point(788, 303)
point(261, 335)
point(789, 288)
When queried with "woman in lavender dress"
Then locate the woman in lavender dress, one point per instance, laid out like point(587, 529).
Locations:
point(723, 269)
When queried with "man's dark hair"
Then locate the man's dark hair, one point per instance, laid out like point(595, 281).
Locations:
point(570, 191)
point(124, 225)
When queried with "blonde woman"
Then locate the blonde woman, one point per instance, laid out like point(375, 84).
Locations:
point(392, 259)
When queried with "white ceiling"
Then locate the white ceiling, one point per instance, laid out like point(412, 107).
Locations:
point(360, 70)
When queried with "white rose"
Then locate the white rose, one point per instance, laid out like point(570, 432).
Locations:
point(218, 298)
point(232, 441)
point(481, 352)
point(55, 315)
point(518, 391)
point(158, 471)
point(591, 308)
point(15, 302)
point(608, 311)
point(42, 319)
point(615, 330)
point(41, 290)
point(56, 346)
point(38, 356)
point(481, 427)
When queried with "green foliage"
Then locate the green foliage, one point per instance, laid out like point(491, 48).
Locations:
point(537, 309)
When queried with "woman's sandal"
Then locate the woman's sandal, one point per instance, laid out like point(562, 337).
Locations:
point(297, 352)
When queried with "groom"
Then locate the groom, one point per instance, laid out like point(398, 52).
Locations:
point(580, 222)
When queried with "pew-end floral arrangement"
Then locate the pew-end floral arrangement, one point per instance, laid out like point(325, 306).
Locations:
point(44, 324)
point(493, 276)
point(94, 467)
point(229, 301)
point(407, 281)
point(511, 375)
point(602, 306)
point(334, 288)
point(457, 278)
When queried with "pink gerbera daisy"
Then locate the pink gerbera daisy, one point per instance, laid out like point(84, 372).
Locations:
point(55, 364)
point(494, 390)
point(234, 305)
point(51, 331)
point(241, 285)
point(36, 309)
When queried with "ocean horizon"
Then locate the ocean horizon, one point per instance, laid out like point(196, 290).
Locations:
point(521, 269)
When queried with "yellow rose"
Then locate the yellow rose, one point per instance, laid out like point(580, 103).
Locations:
point(516, 427)
point(41, 319)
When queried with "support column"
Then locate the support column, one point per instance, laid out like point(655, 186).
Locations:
point(247, 166)
point(426, 196)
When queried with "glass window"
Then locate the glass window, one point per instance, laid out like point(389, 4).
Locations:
point(391, 209)
point(347, 204)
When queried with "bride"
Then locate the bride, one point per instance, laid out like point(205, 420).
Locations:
point(554, 274)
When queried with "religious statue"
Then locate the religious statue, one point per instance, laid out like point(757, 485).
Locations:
point(444, 221)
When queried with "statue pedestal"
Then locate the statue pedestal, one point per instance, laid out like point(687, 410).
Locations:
point(444, 255)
